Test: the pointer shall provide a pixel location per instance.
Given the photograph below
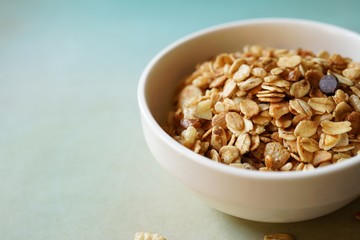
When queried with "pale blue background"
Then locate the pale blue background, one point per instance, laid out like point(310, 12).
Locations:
point(73, 161)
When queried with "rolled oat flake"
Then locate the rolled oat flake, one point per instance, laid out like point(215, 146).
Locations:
point(328, 84)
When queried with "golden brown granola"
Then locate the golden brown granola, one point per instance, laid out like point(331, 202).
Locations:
point(270, 109)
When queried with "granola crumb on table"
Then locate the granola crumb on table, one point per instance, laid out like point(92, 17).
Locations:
point(278, 236)
point(270, 109)
point(148, 236)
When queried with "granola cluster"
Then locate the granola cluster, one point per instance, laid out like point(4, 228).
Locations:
point(270, 109)
point(148, 236)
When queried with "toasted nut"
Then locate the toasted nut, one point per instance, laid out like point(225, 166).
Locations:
point(203, 110)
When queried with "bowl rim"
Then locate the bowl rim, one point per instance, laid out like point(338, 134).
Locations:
point(204, 161)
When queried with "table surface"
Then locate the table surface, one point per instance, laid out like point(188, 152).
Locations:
point(73, 160)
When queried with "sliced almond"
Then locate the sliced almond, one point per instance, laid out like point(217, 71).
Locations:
point(203, 110)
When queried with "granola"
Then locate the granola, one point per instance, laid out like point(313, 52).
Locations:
point(278, 236)
point(270, 109)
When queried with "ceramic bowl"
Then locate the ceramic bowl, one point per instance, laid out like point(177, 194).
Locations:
point(253, 195)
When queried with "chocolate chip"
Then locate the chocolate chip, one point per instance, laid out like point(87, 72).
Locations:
point(328, 84)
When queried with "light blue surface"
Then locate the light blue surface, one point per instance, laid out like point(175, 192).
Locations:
point(73, 161)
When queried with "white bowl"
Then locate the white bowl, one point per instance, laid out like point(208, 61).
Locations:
point(253, 195)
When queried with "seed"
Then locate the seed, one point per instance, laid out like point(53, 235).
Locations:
point(328, 84)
